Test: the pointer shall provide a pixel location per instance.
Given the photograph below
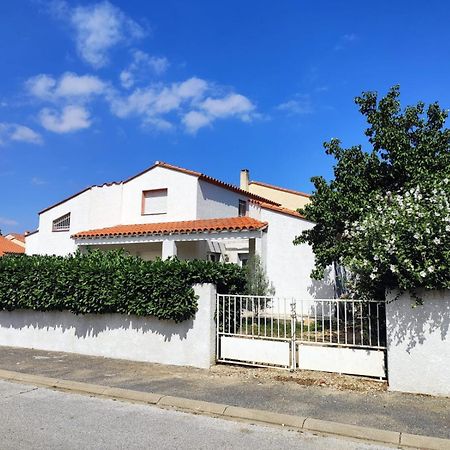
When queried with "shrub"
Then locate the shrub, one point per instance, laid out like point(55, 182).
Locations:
point(111, 282)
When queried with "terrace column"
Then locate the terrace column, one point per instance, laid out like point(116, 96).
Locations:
point(169, 248)
point(257, 246)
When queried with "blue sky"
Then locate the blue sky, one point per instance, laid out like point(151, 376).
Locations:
point(92, 92)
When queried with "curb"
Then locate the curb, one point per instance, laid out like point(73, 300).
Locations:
point(233, 412)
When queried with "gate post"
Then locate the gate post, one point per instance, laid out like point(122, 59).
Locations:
point(293, 337)
point(217, 317)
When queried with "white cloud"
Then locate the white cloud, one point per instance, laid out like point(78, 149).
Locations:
point(72, 118)
point(19, 133)
point(126, 79)
point(349, 37)
point(70, 92)
point(187, 99)
point(158, 99)
point(196, 101)
point(299, 105)
point(41, 86)
point(137, 103)
point(72, 85)
point(36, 181)
point(9, 222)
point(22, 133)
point(231, 105)
point(140, 67)
point(159, 65)
point(345, 40)
point(100, 27)
point(192, 88)
point(159, 123)
point(68, 86)
point(194, 120)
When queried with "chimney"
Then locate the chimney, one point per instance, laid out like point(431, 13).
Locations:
point(245, 178)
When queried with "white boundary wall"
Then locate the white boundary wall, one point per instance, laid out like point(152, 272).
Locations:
point(189, 343)
point(418, 339)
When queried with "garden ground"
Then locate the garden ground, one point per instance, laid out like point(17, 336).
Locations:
point(331, 397)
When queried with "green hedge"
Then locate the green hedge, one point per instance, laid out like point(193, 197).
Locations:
point(111, 282)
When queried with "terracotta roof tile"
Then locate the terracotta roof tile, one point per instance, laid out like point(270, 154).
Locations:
point(6, 246)
point(182, 227)
point(280, 209)
point(19, 237)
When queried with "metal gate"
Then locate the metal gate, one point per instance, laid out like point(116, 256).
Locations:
point(334, 335)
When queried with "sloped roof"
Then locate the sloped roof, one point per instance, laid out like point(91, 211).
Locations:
point(6, 246)
point(278, 188)
point(199, 175)
point(181, 227)
point(280, 209)
point(19, 237)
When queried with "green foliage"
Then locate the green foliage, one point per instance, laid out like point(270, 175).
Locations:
point(385, 215)
point(111, 282)
point(257, 282)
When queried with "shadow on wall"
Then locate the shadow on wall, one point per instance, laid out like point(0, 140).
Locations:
point(324, 288)
point(412, 324)
point(91, 325)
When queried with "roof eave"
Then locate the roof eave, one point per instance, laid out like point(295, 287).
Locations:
point(172, 233)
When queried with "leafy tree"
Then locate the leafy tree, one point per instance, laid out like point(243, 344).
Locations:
point(257, 282)
point(385, 215)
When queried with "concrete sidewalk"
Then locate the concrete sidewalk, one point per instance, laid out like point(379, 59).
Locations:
point(249, 388)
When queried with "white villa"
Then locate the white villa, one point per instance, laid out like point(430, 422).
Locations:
point(169, 211)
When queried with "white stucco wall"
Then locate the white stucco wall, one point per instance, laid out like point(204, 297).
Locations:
point(215, 202)
point(418, 339)
point(95, 208)
point(190, 343)
point(289, 266)
point(181, 196)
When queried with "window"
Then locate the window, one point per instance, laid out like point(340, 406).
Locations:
point(62, 223)
point(154, 202)
point(242, 208)
point(243, 259)
point(213, 257)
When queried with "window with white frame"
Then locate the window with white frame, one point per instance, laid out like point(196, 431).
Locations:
point(154, 201)
point(62, 223)
point(242, 208)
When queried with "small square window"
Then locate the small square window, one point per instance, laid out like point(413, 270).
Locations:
point(213, 257)
point(154, 201)
point(242, 208)
point(62, 223)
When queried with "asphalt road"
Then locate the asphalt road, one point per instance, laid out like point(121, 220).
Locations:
point(248, 388)
point(38, 418)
